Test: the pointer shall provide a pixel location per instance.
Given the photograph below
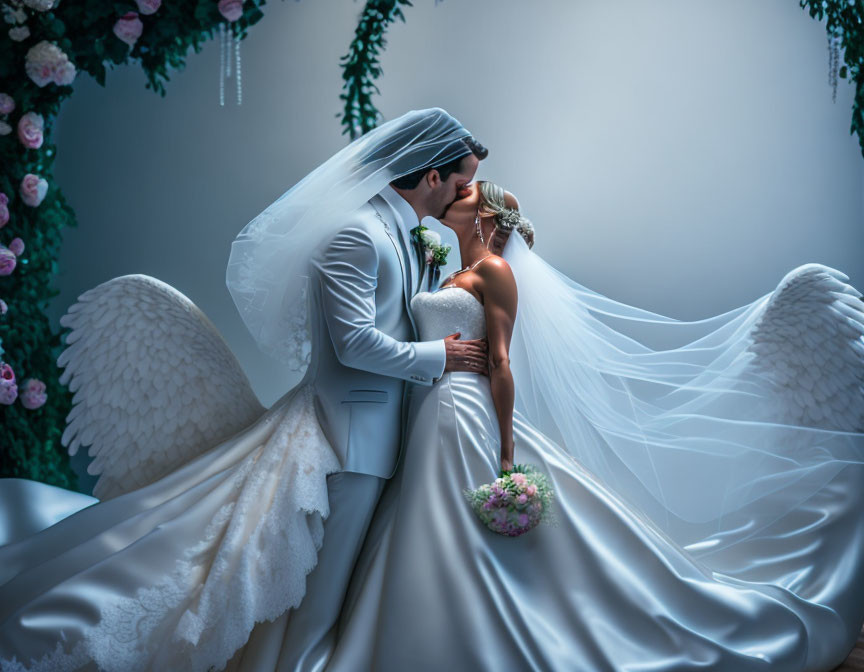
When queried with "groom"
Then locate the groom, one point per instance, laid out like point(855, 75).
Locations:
point(364, 351)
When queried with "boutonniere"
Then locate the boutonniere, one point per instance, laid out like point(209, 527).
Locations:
point(429, 247)
point(429, 244)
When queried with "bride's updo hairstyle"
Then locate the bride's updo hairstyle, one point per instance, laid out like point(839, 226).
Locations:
point(506, 219)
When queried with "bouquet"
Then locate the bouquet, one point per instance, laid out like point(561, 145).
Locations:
point(515, 502)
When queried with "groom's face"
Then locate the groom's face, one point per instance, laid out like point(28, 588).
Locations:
point(454, 187)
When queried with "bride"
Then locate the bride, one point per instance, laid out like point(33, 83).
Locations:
point(707, 492)
point(730, 540)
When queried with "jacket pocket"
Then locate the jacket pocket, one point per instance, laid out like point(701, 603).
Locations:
point(373, 396)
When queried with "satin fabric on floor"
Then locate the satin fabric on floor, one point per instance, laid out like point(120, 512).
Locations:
point(174, 575)
point(605, 589)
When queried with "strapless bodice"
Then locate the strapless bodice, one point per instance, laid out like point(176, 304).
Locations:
point(447, 311)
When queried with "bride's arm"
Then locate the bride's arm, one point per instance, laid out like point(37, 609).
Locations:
point(499, 301)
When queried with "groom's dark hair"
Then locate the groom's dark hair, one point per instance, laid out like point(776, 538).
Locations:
point(445, 170)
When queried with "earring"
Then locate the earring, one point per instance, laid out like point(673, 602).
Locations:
point(477, 229)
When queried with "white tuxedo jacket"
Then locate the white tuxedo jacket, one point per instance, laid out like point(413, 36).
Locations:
point(364, 346)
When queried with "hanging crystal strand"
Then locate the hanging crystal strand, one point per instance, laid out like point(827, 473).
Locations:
point(237, 52)
point(222, 65)
point(229, 27)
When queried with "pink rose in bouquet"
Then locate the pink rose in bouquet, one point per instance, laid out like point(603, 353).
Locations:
point(128, 28)
point(3, 307)
point(30, 129)
point(17, 247)
point(32, 394)
point(7, 261)
point(33, 189)
point(515, 502)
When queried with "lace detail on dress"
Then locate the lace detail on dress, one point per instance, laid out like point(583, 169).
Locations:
point(250, 564)
point(446, 311)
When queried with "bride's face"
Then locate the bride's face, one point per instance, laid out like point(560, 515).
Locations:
point(460, 214)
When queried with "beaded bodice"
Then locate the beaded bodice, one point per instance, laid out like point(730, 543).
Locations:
point(447, 311)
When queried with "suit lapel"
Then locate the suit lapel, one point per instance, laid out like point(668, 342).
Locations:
point(411, 252)
point(389, 221)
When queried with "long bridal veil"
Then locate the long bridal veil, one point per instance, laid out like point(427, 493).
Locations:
point(715, 438)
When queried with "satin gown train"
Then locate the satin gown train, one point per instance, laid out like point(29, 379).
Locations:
point(176, 574)
point(605, 589)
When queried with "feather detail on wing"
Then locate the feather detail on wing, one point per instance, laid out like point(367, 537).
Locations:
point(154, 382)
point(808, 340)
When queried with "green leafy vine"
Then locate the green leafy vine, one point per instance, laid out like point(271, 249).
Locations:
point(361, 66)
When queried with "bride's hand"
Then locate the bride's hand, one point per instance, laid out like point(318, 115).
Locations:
point(506, 465)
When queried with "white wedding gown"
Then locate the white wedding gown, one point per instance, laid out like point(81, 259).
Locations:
point(174, 575)
point(605, 589)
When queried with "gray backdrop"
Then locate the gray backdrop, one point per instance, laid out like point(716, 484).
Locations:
point(679, 156)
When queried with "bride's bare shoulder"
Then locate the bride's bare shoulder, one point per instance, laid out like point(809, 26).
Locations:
point(494, 267)
point(499, 284)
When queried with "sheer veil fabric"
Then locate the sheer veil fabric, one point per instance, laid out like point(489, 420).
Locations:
point(715, 438)
point(267, 271)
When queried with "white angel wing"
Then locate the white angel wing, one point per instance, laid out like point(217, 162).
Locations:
point(809, 341)
point(154, 382)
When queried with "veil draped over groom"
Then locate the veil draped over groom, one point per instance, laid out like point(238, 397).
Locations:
point(267, 270)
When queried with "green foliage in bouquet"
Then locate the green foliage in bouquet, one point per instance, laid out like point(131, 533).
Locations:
point(515, 502)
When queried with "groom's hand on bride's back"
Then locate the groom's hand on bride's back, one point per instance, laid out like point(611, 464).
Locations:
point(469, 355)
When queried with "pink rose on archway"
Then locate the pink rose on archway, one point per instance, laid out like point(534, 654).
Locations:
point(46, 63)
point(7, 103)
point(33, 189)
point(128, 28)
point(231, 9)
point(32, 394)
point(4, 209)
point(148, 6)
point(7, 261)
point(30, 130)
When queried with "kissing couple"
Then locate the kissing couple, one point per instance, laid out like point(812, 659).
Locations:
point(708, 500)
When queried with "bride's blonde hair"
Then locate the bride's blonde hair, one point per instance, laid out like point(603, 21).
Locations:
point(506, 219)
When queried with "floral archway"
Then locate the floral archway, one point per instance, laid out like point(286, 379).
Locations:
point(45, 44)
